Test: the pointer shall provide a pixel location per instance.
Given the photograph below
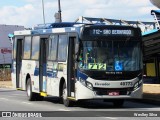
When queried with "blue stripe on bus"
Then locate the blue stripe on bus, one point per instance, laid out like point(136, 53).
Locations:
point(36, 70)
point(52, 73)
point(81, 75)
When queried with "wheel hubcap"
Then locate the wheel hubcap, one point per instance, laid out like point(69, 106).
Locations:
point(28, 90)
point(64, 94)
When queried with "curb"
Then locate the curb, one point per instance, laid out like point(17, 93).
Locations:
point(153, 85)
point(5, 86)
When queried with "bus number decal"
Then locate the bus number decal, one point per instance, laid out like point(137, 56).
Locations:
point(126, 84)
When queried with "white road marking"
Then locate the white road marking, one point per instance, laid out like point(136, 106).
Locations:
point(111, 118)
point(7, 89)
point(63, 110)
point(18, 95)
point(4, 99)
point(27, 103)
point(10, 96)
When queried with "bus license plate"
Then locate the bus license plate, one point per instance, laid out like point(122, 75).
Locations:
point(113, 93)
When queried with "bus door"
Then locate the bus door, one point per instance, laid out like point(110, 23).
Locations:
point(71, 67)
point(42, 65)
point(19, 63)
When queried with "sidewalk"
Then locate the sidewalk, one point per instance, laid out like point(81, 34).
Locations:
point(5, 84)
point(151, 92)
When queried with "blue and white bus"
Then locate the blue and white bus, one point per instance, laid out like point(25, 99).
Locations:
point(77, 61)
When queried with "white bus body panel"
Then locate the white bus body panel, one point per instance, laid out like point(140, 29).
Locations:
point(29, 67)
point(53, 83)
point(53, 86)
point(83, 92)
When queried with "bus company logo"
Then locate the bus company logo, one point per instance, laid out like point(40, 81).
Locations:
point(28, 66)
point(102, 84)
point(5, 51)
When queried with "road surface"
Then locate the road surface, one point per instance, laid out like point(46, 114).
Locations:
point(16, 101)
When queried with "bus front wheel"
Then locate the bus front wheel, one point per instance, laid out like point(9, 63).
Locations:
point(66, 101)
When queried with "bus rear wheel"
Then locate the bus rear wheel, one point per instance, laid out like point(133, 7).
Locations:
point(66, 101)
point(30, 94)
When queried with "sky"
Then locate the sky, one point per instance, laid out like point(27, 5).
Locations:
point(29, 12)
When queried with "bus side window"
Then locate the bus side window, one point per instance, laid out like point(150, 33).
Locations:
point(52, 47)
point(27, 48)
point(53, 52)
point(62, 48)
point(35, 47)
point(49, 48)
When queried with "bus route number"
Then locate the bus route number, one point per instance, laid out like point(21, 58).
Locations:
point(97, 66)
point(126, 84)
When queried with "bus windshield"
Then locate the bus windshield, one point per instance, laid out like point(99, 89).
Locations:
point(110, 55)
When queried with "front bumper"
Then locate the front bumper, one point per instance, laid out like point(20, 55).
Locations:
point(83, 92)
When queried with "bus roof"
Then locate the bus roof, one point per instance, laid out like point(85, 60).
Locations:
point(51, 28)
point(56, 25)
point(59, 28)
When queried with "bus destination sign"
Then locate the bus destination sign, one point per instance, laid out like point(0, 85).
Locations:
point(111, 32)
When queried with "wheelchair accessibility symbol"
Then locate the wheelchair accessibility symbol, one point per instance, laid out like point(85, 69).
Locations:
point(118, 66)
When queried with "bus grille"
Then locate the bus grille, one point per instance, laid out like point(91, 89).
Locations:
point(104, 91)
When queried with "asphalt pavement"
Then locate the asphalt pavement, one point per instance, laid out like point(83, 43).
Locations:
point(151, 92)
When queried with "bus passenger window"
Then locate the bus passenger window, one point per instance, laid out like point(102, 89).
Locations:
point(27, 48)
point(62, 48)
point(52, 54)
point(35, 47)
point(54, 47)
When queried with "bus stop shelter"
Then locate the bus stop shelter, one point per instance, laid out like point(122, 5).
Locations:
point(151, 58)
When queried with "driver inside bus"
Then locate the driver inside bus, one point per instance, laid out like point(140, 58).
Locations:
point(101, 56)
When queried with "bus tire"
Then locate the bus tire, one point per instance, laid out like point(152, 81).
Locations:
point(66, 101)
point(30, 94)
point(118, 103)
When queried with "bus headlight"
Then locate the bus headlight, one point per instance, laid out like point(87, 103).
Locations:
point(86, 84)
